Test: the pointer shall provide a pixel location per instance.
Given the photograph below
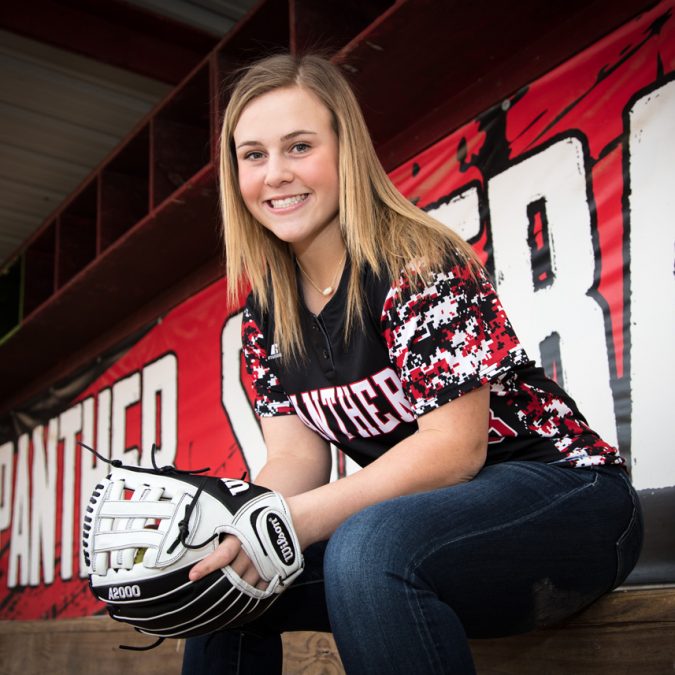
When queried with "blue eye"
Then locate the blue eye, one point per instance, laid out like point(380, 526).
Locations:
point(254, 154)
point(301, 147)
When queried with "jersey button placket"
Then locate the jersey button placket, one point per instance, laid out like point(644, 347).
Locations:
point(322, 343)
point(316, 337)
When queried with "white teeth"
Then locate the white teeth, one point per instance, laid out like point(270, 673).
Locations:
point(287, 201)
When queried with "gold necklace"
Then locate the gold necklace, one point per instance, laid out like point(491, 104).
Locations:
point(329, 290)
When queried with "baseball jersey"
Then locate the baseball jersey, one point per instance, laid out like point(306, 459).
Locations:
point(420, 346)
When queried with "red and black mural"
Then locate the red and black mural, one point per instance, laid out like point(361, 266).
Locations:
point(566, 191)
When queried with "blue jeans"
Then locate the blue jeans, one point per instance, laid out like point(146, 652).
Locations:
point(404, 583)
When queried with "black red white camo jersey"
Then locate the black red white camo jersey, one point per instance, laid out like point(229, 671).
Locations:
point(420, 347)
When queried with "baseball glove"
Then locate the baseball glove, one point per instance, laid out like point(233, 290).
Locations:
point(145, 528)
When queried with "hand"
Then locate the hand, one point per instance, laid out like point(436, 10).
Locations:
point(229, 552)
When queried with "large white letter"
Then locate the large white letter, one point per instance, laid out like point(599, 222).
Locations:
point(242, 419)
point(544, 267)
point(6, 469)
point(19, 543)
point(461, 214)
point(652, 302)
point(43, 504)
point(160, 380)
point(70, 424)
point(125, 393)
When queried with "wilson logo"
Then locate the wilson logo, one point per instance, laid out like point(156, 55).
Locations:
point(124, 592)
point(280, 537)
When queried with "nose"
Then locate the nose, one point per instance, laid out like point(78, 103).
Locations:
point(278, 171)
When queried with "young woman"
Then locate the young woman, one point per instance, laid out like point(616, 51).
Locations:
point(486, 506)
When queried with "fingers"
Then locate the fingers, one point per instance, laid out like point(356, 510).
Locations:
point(229, 552)
point(226, 552)
point(246, 570)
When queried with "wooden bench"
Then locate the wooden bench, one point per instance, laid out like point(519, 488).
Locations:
point(628, 631)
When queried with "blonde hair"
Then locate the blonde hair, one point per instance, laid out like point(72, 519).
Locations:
point(380, 227)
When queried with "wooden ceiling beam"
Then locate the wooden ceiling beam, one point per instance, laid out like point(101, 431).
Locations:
point(112, 32)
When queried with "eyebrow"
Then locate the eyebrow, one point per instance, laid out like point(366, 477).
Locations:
point(287, 137)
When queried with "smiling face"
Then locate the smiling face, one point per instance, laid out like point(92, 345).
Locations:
point(287, 159)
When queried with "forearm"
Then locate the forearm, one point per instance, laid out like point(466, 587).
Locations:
point(298, 459)
point(424, 461)
point(291, 475)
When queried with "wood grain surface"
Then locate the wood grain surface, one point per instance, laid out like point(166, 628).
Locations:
point(628, 632)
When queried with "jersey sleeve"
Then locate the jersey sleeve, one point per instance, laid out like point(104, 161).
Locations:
point(270, 398)
point(448, 337)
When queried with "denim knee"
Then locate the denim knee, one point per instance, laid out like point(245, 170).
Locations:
point(364, 550)
point(382, 617)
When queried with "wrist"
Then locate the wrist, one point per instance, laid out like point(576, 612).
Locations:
point(302, 524)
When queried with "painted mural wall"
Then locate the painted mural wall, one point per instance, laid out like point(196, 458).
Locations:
point(567, 192)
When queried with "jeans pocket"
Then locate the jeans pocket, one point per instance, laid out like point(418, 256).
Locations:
point(629, 545)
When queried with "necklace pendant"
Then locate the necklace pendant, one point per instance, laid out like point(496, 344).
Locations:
point(327, 291)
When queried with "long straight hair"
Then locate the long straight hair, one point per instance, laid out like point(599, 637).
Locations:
point(379, 226)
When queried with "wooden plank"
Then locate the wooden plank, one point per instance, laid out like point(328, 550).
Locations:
point(629, 631)
point(311, 654)
point(631, 605)
point(647, 649)
point(87, 645)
